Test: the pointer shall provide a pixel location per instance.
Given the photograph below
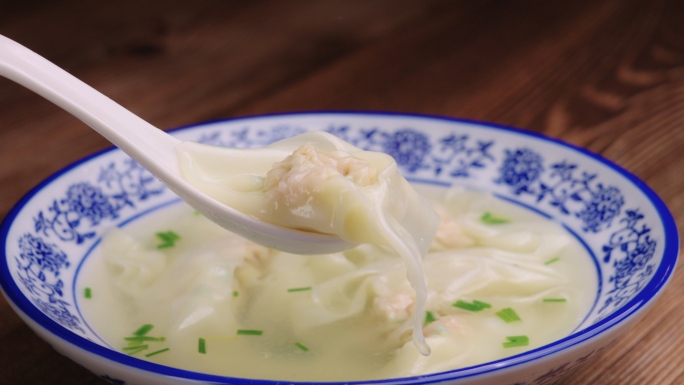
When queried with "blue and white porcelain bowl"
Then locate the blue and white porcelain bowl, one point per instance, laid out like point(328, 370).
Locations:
point(626, 228)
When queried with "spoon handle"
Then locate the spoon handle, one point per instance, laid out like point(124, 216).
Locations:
point(154, 149)
point(147, 144)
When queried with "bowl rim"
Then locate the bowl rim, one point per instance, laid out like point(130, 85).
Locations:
point(635, 306)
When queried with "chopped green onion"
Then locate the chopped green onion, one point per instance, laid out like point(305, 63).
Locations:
point(157, 352)
point(295, 289)
point(235, 293)
point(471, 306)
point(137, 342)
point(515, 341)
point(301, 347)
point(136, 350)
point(136, 347)
point(202, 348)
point(168, 239)
point(552, 260)
point(508, 315)
point(481, 304)
point(143, 330)
point(248, 332)
point(145, 338)
point(429, 317)
point(555, 300)
point(88, 293)
point(490, 219)
point(518, 338)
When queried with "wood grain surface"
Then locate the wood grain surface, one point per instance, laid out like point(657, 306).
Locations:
point(605, 75)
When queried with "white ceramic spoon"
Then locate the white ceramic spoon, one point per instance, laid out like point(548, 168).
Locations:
point(149, 146)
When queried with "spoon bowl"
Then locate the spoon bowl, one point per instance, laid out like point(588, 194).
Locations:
point(151, 147)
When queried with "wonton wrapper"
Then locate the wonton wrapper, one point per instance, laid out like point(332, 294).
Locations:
point(317, 182)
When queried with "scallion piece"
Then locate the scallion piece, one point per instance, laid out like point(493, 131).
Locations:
point(295, 289)
point(235, 293)
point(552, 260)
point(249, 332)
point(157, 352)
point(555, 300)
point(143, 330)
point(202, 346)
point(301, 347)
point(168, 239)
point(429, 317)
point(508, 315)
point(471, 306)
point(515, 341)
point(145, 338)
point(136, 347)
point(489, 219)
point(88, 293)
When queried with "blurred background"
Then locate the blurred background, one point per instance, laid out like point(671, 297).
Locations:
point(606, 75)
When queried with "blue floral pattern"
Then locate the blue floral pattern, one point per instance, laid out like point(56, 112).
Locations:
point(71, 219)
point(457, 154)
point(454, 154)
point(597, 206)
point(520, 169)
point(601, 208)
point(634, 267)
point(39, 264)
point(408, 147)
point(86, 202)
point(249, 137)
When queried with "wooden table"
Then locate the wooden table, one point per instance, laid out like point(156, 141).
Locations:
point(606, 75)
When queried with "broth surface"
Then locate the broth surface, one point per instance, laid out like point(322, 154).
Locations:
point(495, 273)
